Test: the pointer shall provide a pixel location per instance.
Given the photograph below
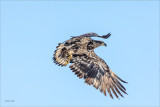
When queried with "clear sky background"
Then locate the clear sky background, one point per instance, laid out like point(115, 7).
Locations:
point(31, 30)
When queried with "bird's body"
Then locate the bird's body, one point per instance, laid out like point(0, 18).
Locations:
point(86, 64)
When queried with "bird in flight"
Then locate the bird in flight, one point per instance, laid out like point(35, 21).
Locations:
point(79, 51)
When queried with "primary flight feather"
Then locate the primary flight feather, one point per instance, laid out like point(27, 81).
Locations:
point(79, 50)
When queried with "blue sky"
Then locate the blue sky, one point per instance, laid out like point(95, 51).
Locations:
point(31, 30)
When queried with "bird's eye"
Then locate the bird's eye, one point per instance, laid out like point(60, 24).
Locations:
point(90, 43)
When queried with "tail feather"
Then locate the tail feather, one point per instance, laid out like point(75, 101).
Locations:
point(60, 55)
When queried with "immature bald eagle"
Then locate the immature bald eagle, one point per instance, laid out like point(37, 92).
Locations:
point(79, 51)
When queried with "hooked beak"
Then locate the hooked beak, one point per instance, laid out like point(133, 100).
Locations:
point(104, 44)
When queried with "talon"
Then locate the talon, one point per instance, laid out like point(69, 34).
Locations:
point(67, 61)
point(69, 58)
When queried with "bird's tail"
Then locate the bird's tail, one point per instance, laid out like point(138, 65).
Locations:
point(61, 55)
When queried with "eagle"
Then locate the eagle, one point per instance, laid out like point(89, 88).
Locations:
point(79, 51)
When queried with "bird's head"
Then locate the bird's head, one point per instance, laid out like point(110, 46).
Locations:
point(99, 43)
point(94, 44)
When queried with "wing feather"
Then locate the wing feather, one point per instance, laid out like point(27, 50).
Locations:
point(117, 90)
point(114, 91)
point(93, 35)
point(97, 73)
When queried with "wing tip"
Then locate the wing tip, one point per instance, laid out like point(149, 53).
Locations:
point(106, 36)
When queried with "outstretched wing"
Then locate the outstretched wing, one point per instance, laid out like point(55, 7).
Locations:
point(94, 35)
point(97, 73)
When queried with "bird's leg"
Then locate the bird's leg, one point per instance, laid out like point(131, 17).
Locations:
point(67, 61)
point(69, 57)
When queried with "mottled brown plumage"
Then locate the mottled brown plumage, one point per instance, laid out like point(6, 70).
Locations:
point(79, 50)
